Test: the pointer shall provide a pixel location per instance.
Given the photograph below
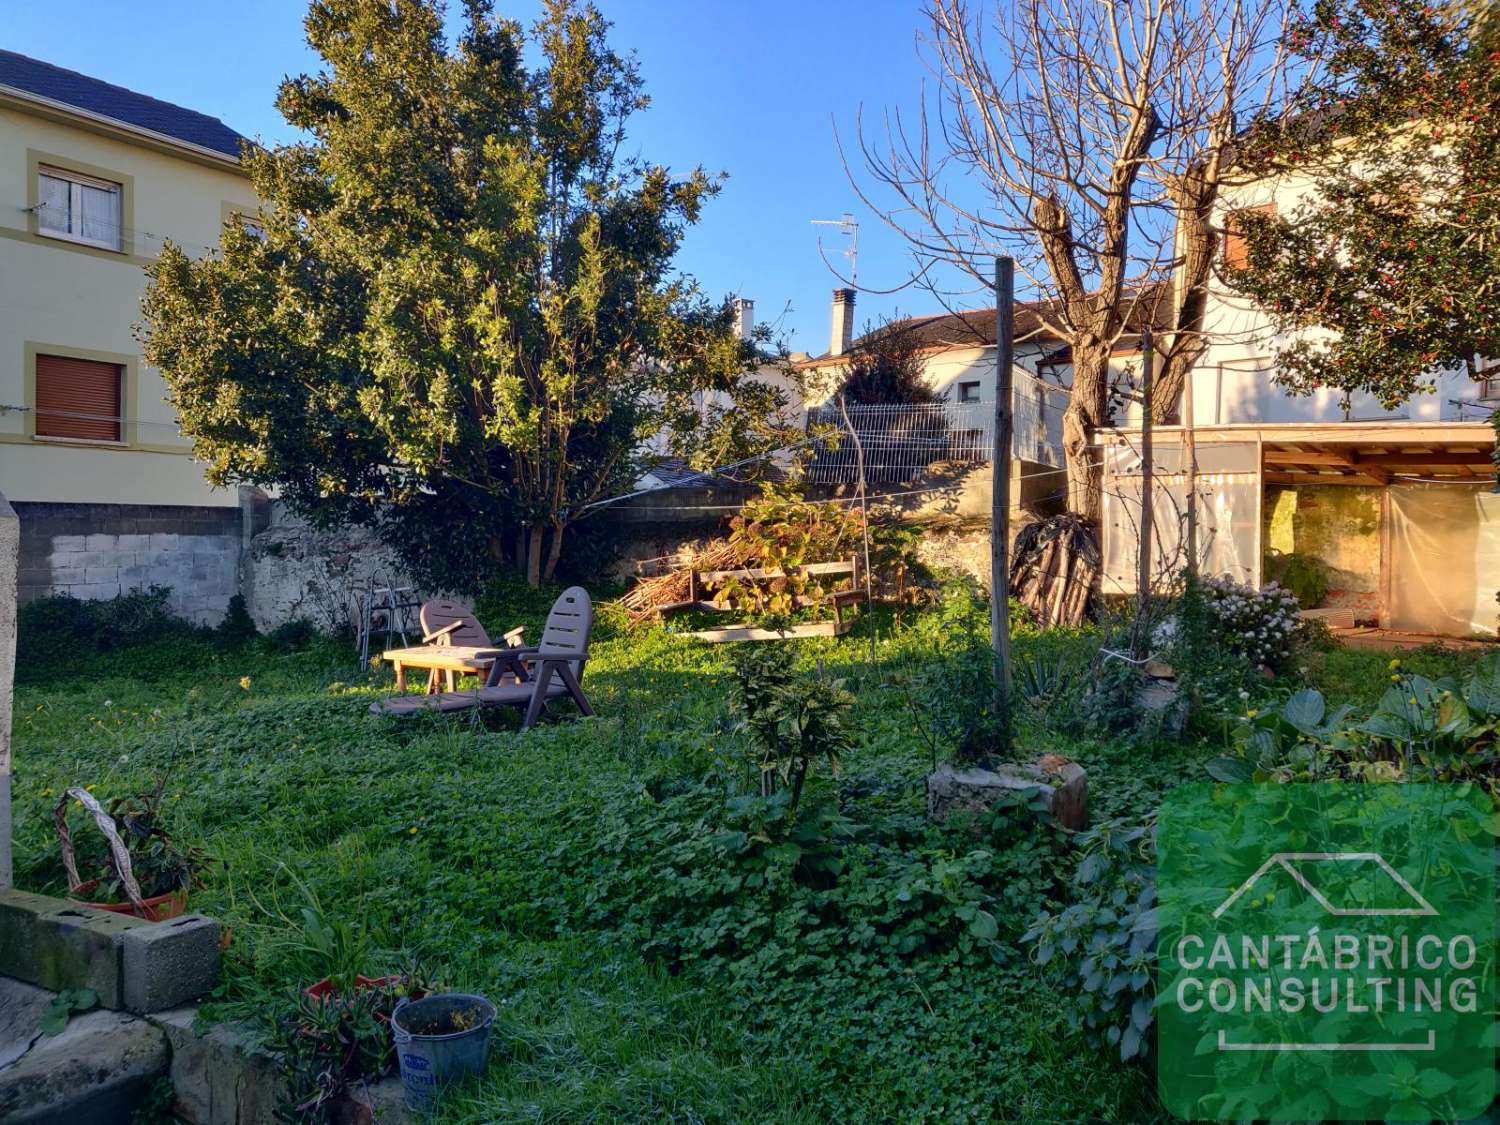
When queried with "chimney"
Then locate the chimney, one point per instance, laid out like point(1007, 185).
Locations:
point(744, 318)
point(842, 330)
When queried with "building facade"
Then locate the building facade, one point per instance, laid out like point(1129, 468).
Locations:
point(93, 179)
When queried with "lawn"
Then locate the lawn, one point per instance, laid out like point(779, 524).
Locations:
point(652, 962)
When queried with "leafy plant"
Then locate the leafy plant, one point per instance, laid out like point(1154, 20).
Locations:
point(1422, 730)
point(1104, 940)
point(159, 863)
point(793, 721)
point(1306, 576)
point(948, 689)
point(60, 1010)
point(237, 627)
point(1259, 624)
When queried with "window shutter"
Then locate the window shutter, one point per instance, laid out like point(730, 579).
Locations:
point(78, 398)
point(1236, 246)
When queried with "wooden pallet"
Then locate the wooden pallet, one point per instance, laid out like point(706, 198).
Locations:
point(731, 633)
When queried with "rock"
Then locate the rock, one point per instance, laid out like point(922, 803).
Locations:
point(1164, 698)
point(94, 1073)
point(219, 1077)
point(951, 789)
point(1159, 670)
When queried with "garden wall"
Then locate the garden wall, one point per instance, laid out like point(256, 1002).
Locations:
point(292, 570)
point(1338, 524)
point(102, 550)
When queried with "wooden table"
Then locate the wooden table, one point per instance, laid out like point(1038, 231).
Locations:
point(444, 662)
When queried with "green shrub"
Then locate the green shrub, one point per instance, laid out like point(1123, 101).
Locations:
point(237, 627)
point(60, 635)
point(1306, 576)
point(292, 636)
point(1103, 941)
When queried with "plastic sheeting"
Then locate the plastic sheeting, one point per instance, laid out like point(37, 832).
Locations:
point(1445, 558)
point(1228, 495)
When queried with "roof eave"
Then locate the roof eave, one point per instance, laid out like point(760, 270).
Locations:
point(52, 109)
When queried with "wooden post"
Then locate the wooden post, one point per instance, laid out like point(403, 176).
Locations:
point(1143, 571)
point(1005, 286)
point(1190, 448)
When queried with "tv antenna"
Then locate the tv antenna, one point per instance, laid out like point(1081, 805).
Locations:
point(849, 226)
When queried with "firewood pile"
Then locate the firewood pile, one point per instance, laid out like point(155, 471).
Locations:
point(1054, 566)
point(642, 600)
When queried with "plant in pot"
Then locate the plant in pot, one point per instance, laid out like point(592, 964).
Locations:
point(334, 952)
point(136, 867)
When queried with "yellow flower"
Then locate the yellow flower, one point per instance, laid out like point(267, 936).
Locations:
point(245, 682)
point(1395, 679)
point(412, 830)
point(1412, 701)
point(1393, 665)
point(89, 788)
point(1250, 714)
point(46, 792)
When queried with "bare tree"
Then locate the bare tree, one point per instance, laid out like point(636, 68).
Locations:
point(1088, 139)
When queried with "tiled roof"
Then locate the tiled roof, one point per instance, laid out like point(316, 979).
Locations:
point(85, 93)
point(975, 328)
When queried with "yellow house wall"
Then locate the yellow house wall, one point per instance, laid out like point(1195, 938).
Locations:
point(57, 297)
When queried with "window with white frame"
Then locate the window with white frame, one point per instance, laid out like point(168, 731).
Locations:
point(968, 392)
point(78, 208)
point(1487, 373)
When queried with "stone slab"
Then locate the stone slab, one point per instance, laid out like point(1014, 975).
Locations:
point(21, 1009)
point(955, 790)
point(94, 1073)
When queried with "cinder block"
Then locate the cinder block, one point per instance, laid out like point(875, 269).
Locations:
point(62, 544)
point(76, 947)
point(99, 543)
point(134, 541)
point(163, 541)
point(20, 912)
point(169, 963)
point(104, 575)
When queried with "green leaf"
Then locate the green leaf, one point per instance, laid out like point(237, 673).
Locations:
point(1305, 711)
point(1230, 770)
point(984, 926)
point(1482, 691)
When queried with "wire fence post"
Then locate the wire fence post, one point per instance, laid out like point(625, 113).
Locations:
point(1143, 571)
point(864, 519)
point(1190, 447)
point(1005, 283)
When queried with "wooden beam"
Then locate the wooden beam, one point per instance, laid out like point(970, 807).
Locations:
point(1361, 479)
point(1405, 458)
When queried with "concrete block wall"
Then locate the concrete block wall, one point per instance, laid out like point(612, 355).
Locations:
point(102, 550)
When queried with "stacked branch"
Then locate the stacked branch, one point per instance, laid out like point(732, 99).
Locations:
point(1055, 565)
point(643, 600)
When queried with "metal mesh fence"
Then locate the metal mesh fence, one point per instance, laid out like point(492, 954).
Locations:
point(901, 442)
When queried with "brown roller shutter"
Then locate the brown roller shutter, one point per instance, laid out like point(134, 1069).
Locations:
point(77, 398)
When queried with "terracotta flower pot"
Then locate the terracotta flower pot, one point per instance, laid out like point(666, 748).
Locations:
point(158, 908)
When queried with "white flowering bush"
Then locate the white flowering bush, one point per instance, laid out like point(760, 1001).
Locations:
point(1260, 624)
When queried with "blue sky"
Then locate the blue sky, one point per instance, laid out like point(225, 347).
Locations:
point(749, 88)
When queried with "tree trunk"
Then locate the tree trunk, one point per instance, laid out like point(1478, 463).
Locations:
point(1193, 197)
point(554, 550)
point(533, 556)
point(1086, 410)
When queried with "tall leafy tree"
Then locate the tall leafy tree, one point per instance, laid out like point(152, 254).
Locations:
point(1396, 247)
point(456, 318)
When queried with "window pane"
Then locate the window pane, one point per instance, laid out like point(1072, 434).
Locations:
point(101, 215)
point(54, 199)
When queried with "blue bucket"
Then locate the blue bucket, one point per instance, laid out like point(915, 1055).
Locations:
point(440, 1039)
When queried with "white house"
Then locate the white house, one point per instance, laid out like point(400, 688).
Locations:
point(1397, 504)
point(93, 178)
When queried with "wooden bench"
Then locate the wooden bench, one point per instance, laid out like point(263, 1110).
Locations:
point(699, 579)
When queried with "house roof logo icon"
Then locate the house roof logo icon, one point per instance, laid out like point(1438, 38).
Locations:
point(1299, 864)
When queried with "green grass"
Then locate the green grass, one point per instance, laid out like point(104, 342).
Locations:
point(531, 867)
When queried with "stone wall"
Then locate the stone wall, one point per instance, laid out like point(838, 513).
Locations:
point(293, 570)
point(102, 550)
point(1338, 524)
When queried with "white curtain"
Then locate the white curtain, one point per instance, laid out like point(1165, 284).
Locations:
point(1445, 558)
